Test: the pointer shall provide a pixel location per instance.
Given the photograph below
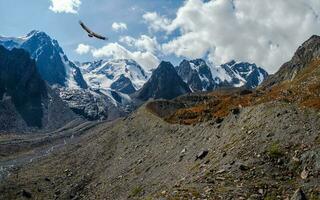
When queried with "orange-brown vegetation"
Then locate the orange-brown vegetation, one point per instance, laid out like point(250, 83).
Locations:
point(304, 90)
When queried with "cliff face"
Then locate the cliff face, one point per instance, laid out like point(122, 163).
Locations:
point(25, 100)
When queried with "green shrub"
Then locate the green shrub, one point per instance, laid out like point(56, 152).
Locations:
point(136, 191)
point(275, 151)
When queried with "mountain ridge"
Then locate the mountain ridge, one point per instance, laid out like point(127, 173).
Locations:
point(27, 103)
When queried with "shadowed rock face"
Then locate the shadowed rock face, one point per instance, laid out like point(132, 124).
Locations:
point(52, 64)
point(191, 71)
point(26, 102)
point(124, 85)
point(307, 52)
point(20, 81)
point(164, 83)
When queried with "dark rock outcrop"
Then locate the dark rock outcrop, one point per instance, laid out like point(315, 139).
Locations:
point(164, 83)
point(124, 85)
point(25, 99)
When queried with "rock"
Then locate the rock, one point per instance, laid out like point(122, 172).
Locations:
point(270, 134)
point(219, 178)
point(219, 120)
point(26, 194)
point(220, 171)
point(254, 197)
point(260, 191)
point(57, 193)
point(202, 154)
point(183, 151)
point(298, 195)
point(304, 174)
point(235, 111)
point(243, 167)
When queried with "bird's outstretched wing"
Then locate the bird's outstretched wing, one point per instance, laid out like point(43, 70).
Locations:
point(91, 33)
point(85, 27)
point(99, 36)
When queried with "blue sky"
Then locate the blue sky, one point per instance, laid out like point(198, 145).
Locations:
point(18, 17)
point(265, 32)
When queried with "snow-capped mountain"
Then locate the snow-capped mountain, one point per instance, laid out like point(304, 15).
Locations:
point(197, 74)
point(52, 64)
point(251, 74)
point(202, 77)
point(66, 78)
point(122, 75)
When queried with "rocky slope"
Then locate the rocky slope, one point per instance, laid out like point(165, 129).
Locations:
point(306, 53)
point(97, 104)
point(27, 103)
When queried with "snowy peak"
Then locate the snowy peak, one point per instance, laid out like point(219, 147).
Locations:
point(122, 75)
point(52, 64)
point(248, 73)
point(197, 74)
point(202, 77)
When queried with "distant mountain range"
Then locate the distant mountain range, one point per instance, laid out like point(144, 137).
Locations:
point(108, 89)
point(123, 75)
point(201, 77)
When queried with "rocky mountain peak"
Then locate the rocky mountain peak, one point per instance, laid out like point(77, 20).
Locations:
point(164, 83)
point(52, 64)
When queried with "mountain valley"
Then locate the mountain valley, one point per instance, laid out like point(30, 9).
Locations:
point(194, 131)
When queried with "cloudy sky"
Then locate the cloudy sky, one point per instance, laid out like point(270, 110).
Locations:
point(266, 32)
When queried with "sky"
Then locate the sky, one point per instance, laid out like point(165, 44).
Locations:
point(265, 32)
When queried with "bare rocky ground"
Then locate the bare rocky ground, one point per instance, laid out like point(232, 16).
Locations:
point(267, 151)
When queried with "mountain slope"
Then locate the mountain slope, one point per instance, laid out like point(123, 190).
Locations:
point(196, 74)
point(52, 64)
point(26, 101)
point(122, 75)
point(307, 52)
point(201, 77)
point(164, 83)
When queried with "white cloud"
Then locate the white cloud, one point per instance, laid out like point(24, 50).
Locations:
point(115, 51)
point(144, 43)
point(83, 49)
point(119, 26)
point(156, 21)
point(266, 32)
point(66, 6)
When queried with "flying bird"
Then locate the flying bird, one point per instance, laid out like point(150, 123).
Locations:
point(91, 33)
